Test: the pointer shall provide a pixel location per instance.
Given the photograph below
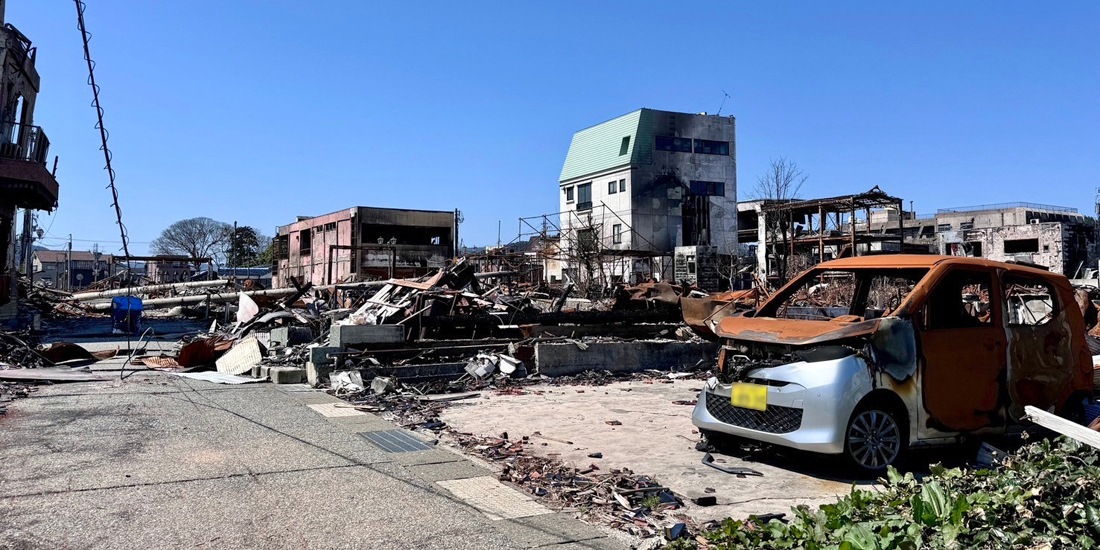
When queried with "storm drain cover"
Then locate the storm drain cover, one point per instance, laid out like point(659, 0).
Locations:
point(396, 441)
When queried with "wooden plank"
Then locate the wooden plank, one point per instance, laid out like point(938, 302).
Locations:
point(1062, 426)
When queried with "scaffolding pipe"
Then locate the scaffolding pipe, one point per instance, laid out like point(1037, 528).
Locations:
point(162, 303)
point(134, 291)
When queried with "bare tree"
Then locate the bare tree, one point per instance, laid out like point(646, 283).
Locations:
point(194, 237)
point(782, 182)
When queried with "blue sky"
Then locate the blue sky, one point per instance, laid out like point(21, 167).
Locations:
point(261, 111)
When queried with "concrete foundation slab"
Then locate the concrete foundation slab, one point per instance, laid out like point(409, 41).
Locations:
point(565, 358)
point(346, 335)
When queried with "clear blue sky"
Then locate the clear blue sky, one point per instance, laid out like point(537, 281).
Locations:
point(258, 111)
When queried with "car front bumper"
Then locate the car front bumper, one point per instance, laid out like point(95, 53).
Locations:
point(809, 405)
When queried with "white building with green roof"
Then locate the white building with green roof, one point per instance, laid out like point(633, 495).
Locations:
point(637, 186)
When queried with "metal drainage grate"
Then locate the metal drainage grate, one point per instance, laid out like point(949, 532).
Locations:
point(776, 420)
point(396, 441)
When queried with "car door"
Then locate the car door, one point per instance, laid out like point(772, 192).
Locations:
point(962, 345)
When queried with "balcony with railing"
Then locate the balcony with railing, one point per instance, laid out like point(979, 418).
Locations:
point(24, 152)
point(25, 142)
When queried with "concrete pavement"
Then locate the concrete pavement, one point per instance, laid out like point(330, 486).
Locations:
point(159, 461)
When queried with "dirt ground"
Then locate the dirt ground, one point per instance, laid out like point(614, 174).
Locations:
point(656, 438)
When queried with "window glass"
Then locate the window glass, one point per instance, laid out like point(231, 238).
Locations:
point(708, 147)
point(669, 143)
point(624, 147)
point(617, 233)
point(1030, 301)
point(708, 188)
point(584, 196)
point(569, 194)
point(612, 187)
point(960, 300)
point(622, 185)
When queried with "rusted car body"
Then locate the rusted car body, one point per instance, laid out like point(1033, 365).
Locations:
point(869, 356)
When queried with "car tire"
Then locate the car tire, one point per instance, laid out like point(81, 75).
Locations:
point(876, 437)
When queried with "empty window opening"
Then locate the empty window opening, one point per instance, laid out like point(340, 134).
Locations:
point(1030, 301)
point(1021, 246)
point(305, 244)
point(960, 300)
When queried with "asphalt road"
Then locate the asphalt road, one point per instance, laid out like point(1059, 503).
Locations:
point(159, 461)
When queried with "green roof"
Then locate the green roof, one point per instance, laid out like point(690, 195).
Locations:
point(601, 147)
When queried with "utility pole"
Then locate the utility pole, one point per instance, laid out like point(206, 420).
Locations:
point(26, 246)
point(69, 265)
point(232, 248)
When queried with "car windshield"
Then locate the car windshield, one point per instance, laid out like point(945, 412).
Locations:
point(825, 294)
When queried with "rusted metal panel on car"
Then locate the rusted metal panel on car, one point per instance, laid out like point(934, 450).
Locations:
point(1048, 363)
point(796, 332)
point(700, 313)
point(893, 348)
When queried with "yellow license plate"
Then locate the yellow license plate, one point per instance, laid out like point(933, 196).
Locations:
point(749, 396)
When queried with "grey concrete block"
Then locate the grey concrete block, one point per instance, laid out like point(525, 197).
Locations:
point(346, 335)
point(320, 355)
point(318, 374)
point(563, 359)
point(287, 375)
point(290, 336)
point(264, 371)
point(256, 371)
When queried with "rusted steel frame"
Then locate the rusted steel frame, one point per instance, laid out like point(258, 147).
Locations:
point(821, 234)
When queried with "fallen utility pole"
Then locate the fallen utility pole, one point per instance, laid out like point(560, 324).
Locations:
point(161, 303)
point(137, 290)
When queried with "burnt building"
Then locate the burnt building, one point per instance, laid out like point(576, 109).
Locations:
point(636, 187)
point(363, 243)
point(25, 180)
point(1055, 237)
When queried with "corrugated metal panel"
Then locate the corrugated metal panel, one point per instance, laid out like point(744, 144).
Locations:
point(597, 148)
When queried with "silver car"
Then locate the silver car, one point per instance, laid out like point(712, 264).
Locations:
point(870, 356)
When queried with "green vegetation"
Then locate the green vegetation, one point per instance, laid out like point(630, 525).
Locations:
point(1046, 496)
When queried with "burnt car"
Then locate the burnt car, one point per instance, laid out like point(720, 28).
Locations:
point(871, 356)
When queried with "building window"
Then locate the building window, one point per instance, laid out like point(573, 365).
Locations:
point(708, 188)
point(622, 186)
point(306, 242)
point(966, 225)
point(612, 187)
point(943, 227)
point(617, 233)
point(569, 194)
point(584, 196)
point(624, 147)
point(675, 144)
point(708, 147)
point(1021, 246)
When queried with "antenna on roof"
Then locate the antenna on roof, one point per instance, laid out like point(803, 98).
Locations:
point(727, 96)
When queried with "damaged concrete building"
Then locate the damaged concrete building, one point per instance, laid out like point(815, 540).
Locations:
point(363, 243)
point(636, 187)
point(1055, 237)
point(25, 180)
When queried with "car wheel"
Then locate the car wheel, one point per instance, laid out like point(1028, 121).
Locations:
point(875, 438)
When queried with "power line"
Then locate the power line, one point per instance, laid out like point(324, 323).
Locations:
point(102, 130)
